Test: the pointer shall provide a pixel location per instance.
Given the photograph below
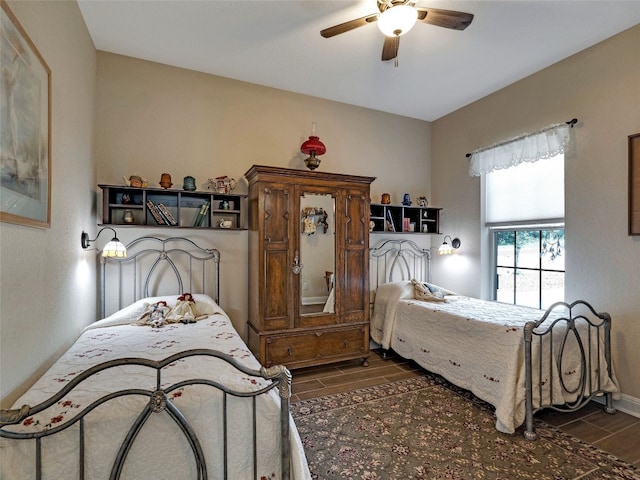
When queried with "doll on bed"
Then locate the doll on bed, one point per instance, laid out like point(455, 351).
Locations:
point(154, 314)
point(184, 310)
point(158, 314)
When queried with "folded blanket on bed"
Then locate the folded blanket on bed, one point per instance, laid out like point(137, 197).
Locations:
point(385, 307)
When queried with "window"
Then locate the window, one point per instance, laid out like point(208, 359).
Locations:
point(524, 211)
point(523, 208)
point(529, 266)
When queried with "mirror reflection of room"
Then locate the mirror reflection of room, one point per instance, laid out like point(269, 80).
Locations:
point(317, 252)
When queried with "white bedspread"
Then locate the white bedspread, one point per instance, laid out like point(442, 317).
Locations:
point(475, 344)
point(159, 451)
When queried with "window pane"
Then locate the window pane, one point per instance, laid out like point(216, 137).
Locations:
point(504, 290)
point(528, 248)
point(505, 253)
point(552, 288)
point(528, 288)
point(529, 267)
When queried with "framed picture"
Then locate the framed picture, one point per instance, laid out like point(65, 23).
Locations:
point(634, 184)
point(25, 137)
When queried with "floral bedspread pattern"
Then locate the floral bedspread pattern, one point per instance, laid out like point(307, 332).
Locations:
point(475, 344)
point(117, 337)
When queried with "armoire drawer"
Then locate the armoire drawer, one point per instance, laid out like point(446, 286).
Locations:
point(297, 350)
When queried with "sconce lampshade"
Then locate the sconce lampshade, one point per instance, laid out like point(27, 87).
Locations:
point(114, 248)
point(446, 248)
point(397, 20)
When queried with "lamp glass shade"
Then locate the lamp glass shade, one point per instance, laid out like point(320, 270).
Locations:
point(445, 249)
point(398, 20)
point(114, 249)
point(313, 145)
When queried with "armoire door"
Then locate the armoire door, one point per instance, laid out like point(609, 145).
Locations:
point(355, 295)
point(279, 257)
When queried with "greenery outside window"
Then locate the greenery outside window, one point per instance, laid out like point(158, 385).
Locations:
point(529, 266)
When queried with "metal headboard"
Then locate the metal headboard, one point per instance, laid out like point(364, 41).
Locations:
point(398, 260)
point(156, 266)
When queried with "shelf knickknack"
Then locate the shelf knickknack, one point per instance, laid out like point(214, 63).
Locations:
point(314, 218)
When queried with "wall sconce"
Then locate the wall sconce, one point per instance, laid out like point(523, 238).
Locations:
point(446, 249)
point(313, 147)
point(114, 248)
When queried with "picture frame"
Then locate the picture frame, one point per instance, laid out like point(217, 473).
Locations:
point(25, 142)
point(634, 184)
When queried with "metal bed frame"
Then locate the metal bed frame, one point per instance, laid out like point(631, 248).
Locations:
point(598, 325)
point(404, 260)
point(159, 253)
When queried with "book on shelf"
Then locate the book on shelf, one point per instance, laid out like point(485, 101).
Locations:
point(202, 214)
point(391, 226)
point(155, 213)
point(166, 214)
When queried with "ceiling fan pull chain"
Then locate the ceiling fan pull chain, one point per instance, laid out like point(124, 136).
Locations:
point(395, 60)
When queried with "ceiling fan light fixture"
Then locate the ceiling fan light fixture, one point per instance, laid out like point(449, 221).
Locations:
point(397, 20)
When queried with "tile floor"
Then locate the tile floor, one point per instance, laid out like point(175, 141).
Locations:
point(618, 434)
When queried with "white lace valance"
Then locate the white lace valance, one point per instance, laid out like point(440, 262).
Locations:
point(531, 147)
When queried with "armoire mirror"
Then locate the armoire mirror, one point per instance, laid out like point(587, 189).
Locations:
point(317, 253)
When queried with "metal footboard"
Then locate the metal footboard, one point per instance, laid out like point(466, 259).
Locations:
point(278, 378)
point(545, 355)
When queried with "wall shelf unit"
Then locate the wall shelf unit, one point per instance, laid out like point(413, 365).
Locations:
point(388, 218)
point(160, 207)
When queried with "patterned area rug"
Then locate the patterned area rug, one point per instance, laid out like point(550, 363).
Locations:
point(426, 428)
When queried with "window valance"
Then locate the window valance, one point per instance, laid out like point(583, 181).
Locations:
point(531, 147)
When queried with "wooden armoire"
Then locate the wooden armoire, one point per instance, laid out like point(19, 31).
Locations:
point(283, 249)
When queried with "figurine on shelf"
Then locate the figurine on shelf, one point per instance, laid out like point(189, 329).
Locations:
point(222, 184)
point(135, 181)
point(422, 201)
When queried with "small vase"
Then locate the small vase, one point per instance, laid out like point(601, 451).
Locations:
point(189, 183)
point(165, 180)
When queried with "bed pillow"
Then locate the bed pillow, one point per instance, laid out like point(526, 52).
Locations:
point(428, 292)
point(205, 305)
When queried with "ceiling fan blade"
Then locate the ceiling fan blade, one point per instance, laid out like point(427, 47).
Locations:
point(390, 48)
point(445, 18)
point(350, 25)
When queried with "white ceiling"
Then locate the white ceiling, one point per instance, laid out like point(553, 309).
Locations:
point(277, 43)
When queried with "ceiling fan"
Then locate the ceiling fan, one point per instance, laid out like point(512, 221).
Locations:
point(397, 17)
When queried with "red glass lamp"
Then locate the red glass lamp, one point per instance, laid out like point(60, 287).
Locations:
point(313, 147)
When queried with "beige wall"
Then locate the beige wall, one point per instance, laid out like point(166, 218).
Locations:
point(47, 283)
point(152, 118)
point(601, 87)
